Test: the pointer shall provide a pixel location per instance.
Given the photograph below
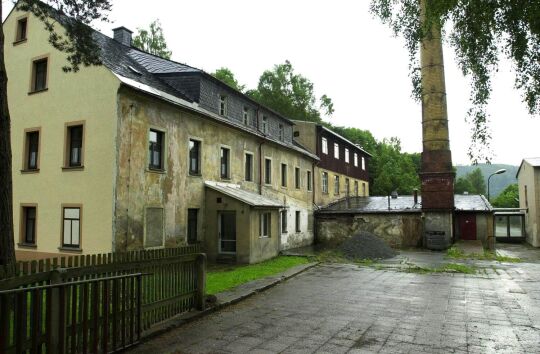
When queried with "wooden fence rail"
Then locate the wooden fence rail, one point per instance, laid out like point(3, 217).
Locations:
point(173, 282)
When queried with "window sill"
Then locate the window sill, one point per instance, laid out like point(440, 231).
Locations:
point(228, 179)
point(72, 168)
point(196, 175)
point(26, 171)
point(70, 249)
point(152, 170)
point(264, 237)
point(20, 41)
point(27, 245)
point(38, 91)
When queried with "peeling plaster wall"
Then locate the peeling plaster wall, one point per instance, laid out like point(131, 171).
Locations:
point(323, 199)
point(174, 189)
point(398, 230)
point(529, 198)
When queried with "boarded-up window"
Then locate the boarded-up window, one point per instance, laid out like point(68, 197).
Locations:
point(154, 227)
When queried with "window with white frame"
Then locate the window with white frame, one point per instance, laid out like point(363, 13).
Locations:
point(363, 163)
point(324, 182)
point(71, 227)
point(222, 105)
point(346, 155)
point(324, 144)
point(336, 151)
point(281, 133)
point(336, 184)
point(355, 159)
point(245, 115)
point(264, 126)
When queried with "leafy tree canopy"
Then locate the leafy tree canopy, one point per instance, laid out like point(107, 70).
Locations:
point(152, 40)
point(473, 183)
point(509, 198)
point(480, 32)
point(227, 76)
point(290, 94)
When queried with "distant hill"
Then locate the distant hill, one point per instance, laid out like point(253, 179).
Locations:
point(498, 182)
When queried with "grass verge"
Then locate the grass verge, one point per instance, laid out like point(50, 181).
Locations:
point(456, 253)
point(335, 256)
point(445, 268)
point(221, 280)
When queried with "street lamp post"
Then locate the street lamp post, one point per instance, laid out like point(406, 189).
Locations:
point(498, 172)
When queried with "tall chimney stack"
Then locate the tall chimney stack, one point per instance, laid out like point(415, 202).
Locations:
point(122, 35)
point(437, 175)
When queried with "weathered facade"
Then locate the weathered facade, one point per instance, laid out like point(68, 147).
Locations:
point(145, 142)
point(400, 221)
point(343, 167)
point(528, 177)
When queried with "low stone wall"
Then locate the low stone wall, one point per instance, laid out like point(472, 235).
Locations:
point(398, 230)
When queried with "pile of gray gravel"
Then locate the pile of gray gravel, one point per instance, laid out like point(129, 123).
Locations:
point(365, 245)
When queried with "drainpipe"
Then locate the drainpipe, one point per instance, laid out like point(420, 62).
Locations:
point(260, 167)
point(129, 174)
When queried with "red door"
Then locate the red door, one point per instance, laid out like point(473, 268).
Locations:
point(467, 226)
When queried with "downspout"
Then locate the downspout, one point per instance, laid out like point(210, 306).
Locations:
point(260, 154)
point(129, 174)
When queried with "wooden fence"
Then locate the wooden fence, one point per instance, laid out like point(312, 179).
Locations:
point(172, 282)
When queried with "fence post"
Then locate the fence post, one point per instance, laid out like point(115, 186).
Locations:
point(57, 325)
point(201, 281)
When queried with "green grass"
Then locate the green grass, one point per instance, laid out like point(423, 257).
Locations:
point(335, 256)
point(456, 253)
point(221, 280)
point(445, 268)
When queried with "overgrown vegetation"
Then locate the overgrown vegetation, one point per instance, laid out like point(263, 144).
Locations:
point(473, 183)
point(445, 268)
point(509, 197)
point(456, 253)
point(221, 280)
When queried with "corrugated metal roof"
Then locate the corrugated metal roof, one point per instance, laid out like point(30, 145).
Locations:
point(247, 197)
point(403, 204)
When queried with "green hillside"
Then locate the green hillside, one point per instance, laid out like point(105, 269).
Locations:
point(498, 182)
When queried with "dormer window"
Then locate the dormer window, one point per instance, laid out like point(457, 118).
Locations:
point(346, 155)
point(336, 151)
point(363, 163)
point(222, 105)
point(246, 115)
point(281, 133)
point(264, 125)
point(355, 159)
point(22, 26)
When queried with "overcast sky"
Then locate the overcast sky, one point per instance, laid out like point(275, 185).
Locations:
point(344, 51)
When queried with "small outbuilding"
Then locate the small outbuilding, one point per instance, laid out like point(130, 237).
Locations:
point(399, 220)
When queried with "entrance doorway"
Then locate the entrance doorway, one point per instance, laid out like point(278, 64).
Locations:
point(227, 232)
point(467, 226)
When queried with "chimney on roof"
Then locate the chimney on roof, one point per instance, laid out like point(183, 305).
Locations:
point(415, 195)
point(123, 35)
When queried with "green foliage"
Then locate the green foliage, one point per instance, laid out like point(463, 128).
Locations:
point(473, 183)
point(290, 94)
point(445, 268)
point(77, 41)
point(509, 198)
point(218, 281)
point(499, 182)
point(480, 32)
point(152, 40)
point(456, 253)
point(226, 75)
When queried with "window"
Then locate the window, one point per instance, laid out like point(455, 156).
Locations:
point(284, 222)
point(39, 75)
point(74, 153)
point(192, 225)
point(297, 221)
point(355, 159)
point(356, 188)
point(249, 167)
point(346, 155)
point(283, 175)
point(225, 161)
point(347, 184)
point(325, 182)
point(194, 157)
point(265, 222)
point(364, 190)
point(264, 127)
point(363, 163)
point(267, 171)
point(22, 25)
point(281, 133)
point(155, 150)
point(324, 144)
point(28, 225)
point(222, 105)
point(336, 185)
point(297, 178)
point(71, 227)
point(32, 150)
point(246, 116)
point(336, 151)
point(308, 177)
point(526, 198)
point(153, 226)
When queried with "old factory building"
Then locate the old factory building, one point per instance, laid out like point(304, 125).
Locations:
point(144, 152)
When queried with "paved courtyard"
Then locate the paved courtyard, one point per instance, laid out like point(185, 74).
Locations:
point(351, 309)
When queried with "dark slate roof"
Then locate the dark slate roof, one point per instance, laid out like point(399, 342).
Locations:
point(402, 204)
